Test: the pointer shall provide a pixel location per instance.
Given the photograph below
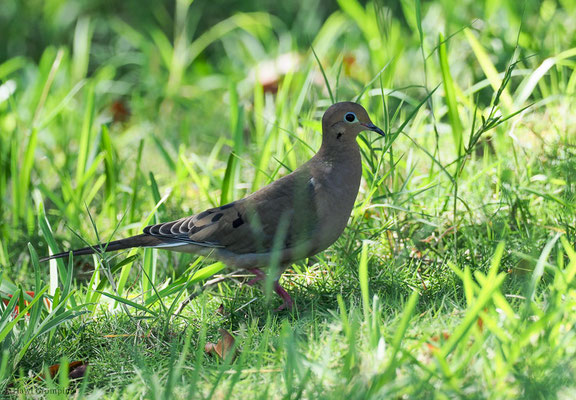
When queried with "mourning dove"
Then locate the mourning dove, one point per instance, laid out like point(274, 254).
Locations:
point(292, 218)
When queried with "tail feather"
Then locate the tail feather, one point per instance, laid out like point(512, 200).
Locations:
point(143, 240)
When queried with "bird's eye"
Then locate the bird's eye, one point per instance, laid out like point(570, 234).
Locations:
point(350, 117)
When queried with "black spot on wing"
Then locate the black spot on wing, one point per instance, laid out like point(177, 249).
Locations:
point(217, 217)
point(238, 221)
point(204, 214)
point(227, 206)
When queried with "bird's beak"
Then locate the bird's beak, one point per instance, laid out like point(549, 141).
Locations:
point(371, 127)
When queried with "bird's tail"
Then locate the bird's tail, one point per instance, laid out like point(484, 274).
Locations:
point(143, 240)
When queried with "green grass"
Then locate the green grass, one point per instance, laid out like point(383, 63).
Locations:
point(454, 278)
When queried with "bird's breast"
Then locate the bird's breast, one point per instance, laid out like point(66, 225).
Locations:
point(335, 197)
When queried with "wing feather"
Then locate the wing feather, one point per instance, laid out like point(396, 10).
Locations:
point(286, 207)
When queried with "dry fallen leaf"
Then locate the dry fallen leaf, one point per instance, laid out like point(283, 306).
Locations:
point(436, 339)
point(350, 64)
point(16, 311)
point(224, 346)
point(120, 111)
point(76, 370)
point(480, 321)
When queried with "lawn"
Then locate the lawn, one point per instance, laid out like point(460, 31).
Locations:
point(456, 275)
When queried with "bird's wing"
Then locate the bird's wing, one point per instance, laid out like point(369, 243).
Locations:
point(284, 211)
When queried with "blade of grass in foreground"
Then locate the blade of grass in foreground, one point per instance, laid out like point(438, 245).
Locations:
point(486, 294)
point(110, 171)
point(130, 303)
point(363, 277)
point(399, 335)
point(488, 68)
point(324, 76)
point(450, 93)
point(56, 265)
point(85, 135)
point(228, 192)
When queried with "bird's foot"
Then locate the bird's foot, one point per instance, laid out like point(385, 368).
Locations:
point(287, 300)
point(260, 275)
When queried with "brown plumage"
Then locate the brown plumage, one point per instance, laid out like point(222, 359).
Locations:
point(292, 218)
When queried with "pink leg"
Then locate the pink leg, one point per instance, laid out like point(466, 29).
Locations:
point(260, 275)
point(280, 291)
point(285, 297)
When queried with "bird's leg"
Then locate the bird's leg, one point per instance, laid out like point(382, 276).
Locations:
point(280, 291)
point(288, 302)
point(260, 275)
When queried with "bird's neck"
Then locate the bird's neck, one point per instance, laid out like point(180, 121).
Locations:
point(336, 152)
point(341, 164)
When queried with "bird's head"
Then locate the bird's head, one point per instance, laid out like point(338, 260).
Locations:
point(342, 122)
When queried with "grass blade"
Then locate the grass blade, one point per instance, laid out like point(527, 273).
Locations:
point(450, 93)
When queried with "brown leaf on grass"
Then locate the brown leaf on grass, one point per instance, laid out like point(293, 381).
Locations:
point(349, 62)
point(120, 111)
point(437, 339)
point(432, 347)
point(47, 303)
point(480, 324)
point(76, 370)
point(480, 321)
point(224, 346)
